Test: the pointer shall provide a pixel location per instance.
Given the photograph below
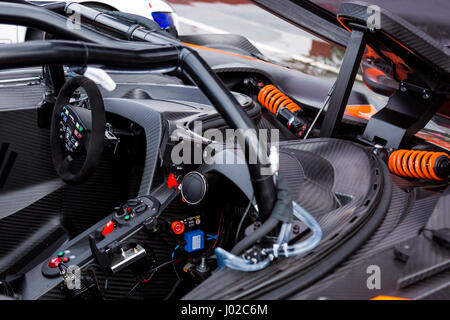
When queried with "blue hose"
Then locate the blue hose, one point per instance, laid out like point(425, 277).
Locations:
point(281, 248)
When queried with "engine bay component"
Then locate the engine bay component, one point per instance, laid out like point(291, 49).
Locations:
point(273, 99)
point(284, 109)
point(327, 100)
point(260, 258)
point(419, 164)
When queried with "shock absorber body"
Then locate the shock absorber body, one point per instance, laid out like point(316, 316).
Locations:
point(284, 109)
point(419, 164)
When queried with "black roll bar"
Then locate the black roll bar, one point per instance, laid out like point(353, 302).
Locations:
point(124, 29)
point(48, 21)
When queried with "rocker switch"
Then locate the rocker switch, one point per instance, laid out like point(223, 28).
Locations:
point(108, 228)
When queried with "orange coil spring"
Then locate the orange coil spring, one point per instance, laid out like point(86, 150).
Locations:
point(415, 164)
point(273, 99)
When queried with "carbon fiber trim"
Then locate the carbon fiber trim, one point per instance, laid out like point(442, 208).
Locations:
point(29, 229)
point(13, 201)
point(427, 257)
point(142, 77)
point(309, 178)
point(354, 284)
point(407, 214)
point(18, 129)
point(21, 97)
point(150, 120)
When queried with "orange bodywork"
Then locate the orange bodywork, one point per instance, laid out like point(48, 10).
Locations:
point(364, 111)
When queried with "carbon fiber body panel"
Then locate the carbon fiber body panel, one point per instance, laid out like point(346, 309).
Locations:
point(428, 257)
point(150, 120)
point(401, 30)
point(407, 214)
point(227, 42)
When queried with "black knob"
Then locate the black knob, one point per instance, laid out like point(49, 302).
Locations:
point(140, 208)
point(119, 211)
point(98, 234)
point(133, 202)
point(193, 187)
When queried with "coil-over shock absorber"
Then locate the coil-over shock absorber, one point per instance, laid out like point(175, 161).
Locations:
point(284, 109)
point(419, 164)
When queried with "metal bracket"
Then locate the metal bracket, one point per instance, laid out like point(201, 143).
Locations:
point(344, 83)
point(407, 111)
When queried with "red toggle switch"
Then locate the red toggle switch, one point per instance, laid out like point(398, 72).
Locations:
point(54, 262)
point(172, 181)
point(108, 228)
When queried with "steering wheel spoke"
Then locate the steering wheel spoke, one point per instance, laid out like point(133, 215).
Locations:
point(66, 164)
point(87, 141)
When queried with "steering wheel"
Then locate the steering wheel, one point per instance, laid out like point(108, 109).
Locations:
point(76, 131)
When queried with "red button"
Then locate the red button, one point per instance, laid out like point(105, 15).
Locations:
point(66, 259)
point(108, 228)
point(177, 227)
point(55, 262)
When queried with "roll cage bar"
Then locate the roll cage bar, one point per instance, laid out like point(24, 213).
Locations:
point(92, 47)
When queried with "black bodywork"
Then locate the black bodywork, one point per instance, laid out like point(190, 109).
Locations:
point(368, 216)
